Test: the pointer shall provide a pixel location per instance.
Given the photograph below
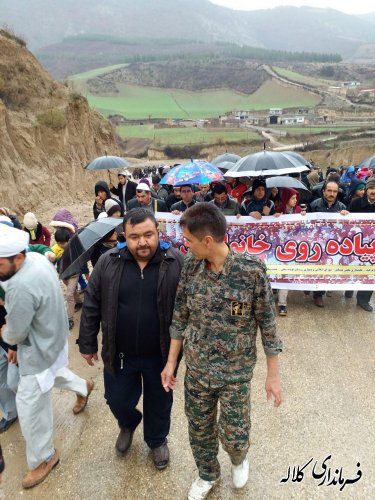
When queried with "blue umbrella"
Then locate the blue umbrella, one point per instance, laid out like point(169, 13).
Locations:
point(193, 172)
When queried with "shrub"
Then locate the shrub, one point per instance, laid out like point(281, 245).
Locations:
point(53, 118)
point(9, 33)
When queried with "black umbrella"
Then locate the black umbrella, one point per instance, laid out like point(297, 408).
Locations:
point(298, 157)
point(223, 166)
point(290, 182)
point(368, 162)
point(80, 247)
point(106, 163)
point(230, 157)
point(266, 163)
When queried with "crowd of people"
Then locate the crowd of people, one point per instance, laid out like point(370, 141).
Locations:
point(151, 305)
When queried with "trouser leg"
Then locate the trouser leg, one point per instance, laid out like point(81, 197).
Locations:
point(318, 293)
point(7, 395)
point(66, 379)
point(201, 412)
point(364, 296)
point(70, 295)
point(36, 420)
point(282, 296)
point(122, 392)
point(234, 420)
point(157, 403)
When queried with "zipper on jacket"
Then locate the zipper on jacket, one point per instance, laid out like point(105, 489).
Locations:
point(121, 356)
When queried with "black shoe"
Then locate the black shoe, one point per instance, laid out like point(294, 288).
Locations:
point(5, 424)
point(71, 324)
point(78, 306)
point(365, 306)
point(160, 456)
point(124, 441)
point(283, 311)
point(349, 294)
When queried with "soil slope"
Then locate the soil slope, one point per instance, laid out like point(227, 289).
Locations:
point(47, 135)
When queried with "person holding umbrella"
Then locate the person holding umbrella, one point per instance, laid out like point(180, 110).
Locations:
point(125, 189)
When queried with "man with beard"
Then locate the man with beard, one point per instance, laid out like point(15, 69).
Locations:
point(37, 322)
point(131, 296)
point(227, 204)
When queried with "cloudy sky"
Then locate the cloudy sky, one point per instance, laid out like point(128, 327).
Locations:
point(347, 6)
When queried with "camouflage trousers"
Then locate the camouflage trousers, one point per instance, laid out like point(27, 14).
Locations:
point(205, 427)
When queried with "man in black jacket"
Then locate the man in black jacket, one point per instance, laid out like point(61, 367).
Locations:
point(131, 294)
point(125, 189)
point(365, 205)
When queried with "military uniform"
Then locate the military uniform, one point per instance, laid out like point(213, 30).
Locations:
point(217, 315)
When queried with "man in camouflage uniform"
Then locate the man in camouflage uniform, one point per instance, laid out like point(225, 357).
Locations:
point(221, 300)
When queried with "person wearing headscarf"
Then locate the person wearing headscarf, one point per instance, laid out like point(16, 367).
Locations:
point(38, 233)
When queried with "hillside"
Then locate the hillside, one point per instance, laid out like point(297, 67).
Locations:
point(283, 28)
point(47, 135)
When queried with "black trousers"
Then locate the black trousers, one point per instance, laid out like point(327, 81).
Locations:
point(364, 296)
point(123, 391)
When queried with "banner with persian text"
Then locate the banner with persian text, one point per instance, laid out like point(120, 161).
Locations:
point(312, 252)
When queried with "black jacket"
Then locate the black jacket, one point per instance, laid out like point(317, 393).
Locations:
point(129, 192)
point(101, 299)
point(103, 186)
point(361, 205)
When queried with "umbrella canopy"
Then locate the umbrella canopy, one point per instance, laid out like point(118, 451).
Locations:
point(298, 157)
point(107, 162)
point(193, 172)
point(368, 162)
point(82, 244)
point(230, 157)
point(266, 163)
point(290, 182)
point(223, 166)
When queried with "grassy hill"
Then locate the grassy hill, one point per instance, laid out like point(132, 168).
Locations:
point(138, 102)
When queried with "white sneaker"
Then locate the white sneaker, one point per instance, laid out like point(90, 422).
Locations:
point(240, 474)
point(200, 489)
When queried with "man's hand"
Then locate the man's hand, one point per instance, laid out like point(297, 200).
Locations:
point(273, 389)
point(90, 358)
point(111, 186)
point(168, 380)
point(51, 256)
point(12, 356)
point(175, 212)
point(344, 212)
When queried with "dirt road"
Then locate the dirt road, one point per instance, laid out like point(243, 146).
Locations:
point(328, 374)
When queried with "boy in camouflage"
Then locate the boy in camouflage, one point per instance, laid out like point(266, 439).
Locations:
point(221, 300)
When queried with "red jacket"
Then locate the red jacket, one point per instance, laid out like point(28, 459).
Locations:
point(286, 194)
point(237, 191)
point(43, 236)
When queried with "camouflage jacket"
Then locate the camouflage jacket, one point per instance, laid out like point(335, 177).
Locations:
point(218, 314)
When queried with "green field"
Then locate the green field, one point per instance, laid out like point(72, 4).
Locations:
point(136, 102)
point(189, 135)
point(299, 78)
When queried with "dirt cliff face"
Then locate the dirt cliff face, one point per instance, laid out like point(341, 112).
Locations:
point(47, 135)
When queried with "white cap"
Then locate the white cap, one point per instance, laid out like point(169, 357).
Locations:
point(102, 215)
point(126, 173)
point(142, 186)
point(12, 241)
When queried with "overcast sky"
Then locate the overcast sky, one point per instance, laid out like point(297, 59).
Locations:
point(347, 6)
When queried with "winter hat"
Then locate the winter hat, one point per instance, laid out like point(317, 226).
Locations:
point(63, 218)
point(12, 241)
point(111, 206)
point(30, 221)
point(5, 220)
point(258, 183)
point(142, 186)
point(370, 182)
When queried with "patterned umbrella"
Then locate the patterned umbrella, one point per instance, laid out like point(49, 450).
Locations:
point(193, 172)
point(267, 163)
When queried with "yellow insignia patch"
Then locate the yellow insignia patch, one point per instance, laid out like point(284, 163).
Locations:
point(237, 308)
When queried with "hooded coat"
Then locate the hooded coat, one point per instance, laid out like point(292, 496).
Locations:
point(286, 194)
point(103, 186)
